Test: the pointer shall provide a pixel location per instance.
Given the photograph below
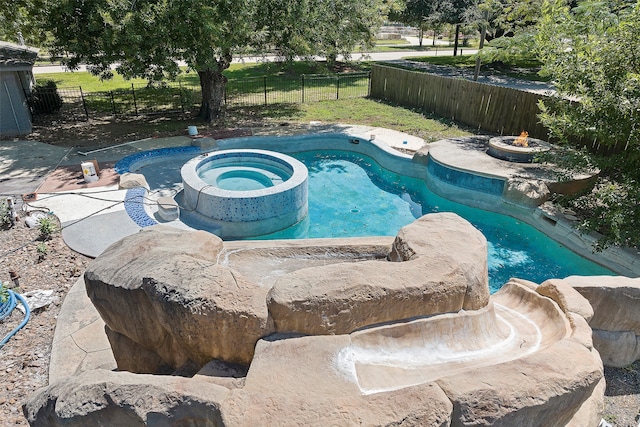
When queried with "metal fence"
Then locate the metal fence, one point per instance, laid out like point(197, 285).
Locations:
point(179, 97)
point(292, 90)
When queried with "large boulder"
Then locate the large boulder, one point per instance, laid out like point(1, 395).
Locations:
point(617, 348)
point(438, 265)
point(106, 398)
point(614, 300)
point(526, 192)
point(163, 296)
point(616, 316)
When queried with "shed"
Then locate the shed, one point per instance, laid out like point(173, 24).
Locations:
point(16, 80)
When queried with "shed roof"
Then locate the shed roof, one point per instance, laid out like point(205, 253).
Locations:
point(15, 55)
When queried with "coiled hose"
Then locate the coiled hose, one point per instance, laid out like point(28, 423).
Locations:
point(6, 309)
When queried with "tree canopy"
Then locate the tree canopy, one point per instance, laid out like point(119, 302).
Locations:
point(149, 38)
point(19, 21)
point(592, 53)
point(426, 14)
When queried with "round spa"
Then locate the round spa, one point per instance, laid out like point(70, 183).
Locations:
point(244, 192)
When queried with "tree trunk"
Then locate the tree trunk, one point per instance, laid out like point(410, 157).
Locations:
point(420, 35)
point(456, 40)
point(213, 84)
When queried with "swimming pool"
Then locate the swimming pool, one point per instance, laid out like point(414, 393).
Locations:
point(350, 195)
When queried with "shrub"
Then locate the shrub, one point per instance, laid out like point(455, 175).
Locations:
point(47, 227)
point(44, 98)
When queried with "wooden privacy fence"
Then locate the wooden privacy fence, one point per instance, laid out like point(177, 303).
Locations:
point(494, 109)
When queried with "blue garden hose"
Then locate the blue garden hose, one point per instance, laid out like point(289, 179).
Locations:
point(6, 309)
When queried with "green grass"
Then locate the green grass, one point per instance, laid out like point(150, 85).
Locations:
point(356, 110)
point(359, 111)
point(91, 83)
point(520, 69)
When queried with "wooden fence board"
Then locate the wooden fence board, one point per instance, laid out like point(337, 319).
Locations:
point(494, 109)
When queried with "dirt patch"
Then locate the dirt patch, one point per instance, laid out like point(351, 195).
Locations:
point(24, 361)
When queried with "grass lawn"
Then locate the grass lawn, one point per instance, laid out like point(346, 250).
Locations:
point(91, 83)
point(359, 111)
point(99, 132)
point(525, 70)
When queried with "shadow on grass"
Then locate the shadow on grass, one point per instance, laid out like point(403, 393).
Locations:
point(97, 132)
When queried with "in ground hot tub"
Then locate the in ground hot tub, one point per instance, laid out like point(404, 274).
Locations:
point(244, 192)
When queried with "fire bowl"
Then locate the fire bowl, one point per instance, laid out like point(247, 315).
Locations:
point(503, 148)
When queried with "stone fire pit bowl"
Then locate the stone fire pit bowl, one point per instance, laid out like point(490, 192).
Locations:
point(501, 147)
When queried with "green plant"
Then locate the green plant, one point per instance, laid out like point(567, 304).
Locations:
point(42, 249)
point(47, 228)
point(4, 293)
point(44, 98)
point(592, 52)
point(5, 214)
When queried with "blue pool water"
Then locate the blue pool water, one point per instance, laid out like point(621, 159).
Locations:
point(242, 176)
point(351, 195)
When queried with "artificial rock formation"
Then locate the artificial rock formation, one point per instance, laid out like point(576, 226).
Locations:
point(101, 397)
point(132, 180)
point(526, 192)
point(173, 301)
point(616, 316)
point(168, 305)
point(438, 265)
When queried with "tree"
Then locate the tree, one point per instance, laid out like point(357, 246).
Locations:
point(423, 14)
point(510, 27)
point(149, 38)
point(326, 28)
point(18, 21)
point(592, 53)
point(454, 12)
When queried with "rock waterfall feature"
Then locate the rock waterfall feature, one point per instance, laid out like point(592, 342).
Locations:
point(365, 331)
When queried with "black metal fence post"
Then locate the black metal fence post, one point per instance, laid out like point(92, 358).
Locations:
point(113, 102)
point(84, 103)
point(303, 88)
point(181, 97)
point(265, 90)
point(337, 87)
point(135, 104)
